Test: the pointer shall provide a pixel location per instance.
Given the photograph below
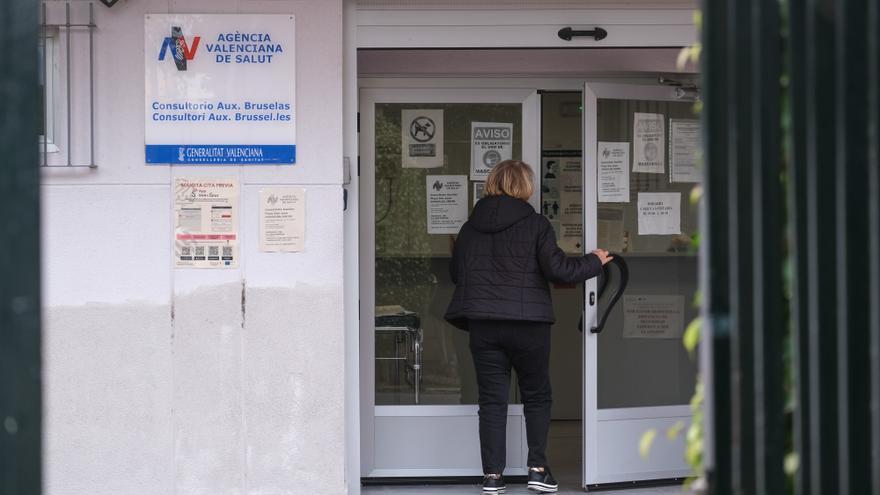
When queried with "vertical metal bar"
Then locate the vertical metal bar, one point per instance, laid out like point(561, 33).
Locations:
point(821, 218)
point(91, 85)
point(739, 210)
point(714, 259)
point(797, 219)
point(20, 394)
point(874, 229)
point(46, 67)
point(852, 245)
point(67, 64)
point(766, 238)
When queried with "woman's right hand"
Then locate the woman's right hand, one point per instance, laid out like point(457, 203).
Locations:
point(603, 255)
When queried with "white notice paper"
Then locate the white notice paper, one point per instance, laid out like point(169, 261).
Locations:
point(649, 143)
point(571, 197)
point(447, 203)
point(478, 191)
point(659, 213)
point(422, 134)
point(206, 222)
point(613, 172)
point(685, 142)
point(491, 143)
point(653, 317)
point(282, 219)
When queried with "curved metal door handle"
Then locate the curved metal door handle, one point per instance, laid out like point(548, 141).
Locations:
point(604, 283)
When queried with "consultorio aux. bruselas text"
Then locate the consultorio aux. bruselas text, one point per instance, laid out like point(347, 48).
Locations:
point(189, 105)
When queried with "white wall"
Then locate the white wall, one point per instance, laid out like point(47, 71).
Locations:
point(163, 381)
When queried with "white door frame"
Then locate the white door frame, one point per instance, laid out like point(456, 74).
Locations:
point(482, 92)
point(653, 31)
point(594, 418)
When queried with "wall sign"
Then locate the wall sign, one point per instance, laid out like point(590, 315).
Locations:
point(219, 89)
point(282, 219)
point(206, 222)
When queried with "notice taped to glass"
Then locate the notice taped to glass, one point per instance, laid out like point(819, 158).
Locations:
point(653, 316)
point(206, 222)
point(447, 203)
point(613, 172)
point(282, 219)
point(491, 144)
point(684, 150)
point(649, 143)
point(421, 132)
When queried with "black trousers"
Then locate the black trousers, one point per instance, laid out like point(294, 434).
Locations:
point(497, 346)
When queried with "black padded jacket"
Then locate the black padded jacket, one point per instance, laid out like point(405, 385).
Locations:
point(503, 259)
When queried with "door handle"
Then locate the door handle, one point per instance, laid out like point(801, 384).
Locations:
point(604, 282)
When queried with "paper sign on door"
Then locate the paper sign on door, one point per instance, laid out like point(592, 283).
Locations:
point(653, 316)
point(659, 213)
point(649, 143)
point(422, 135)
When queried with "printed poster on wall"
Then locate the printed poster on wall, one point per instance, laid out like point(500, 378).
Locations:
point(479, 187)
point(649, 143)
point(685, 143)
point(659, 213)
point(491, 143)
point(206, 222)
point(422, 135)
point(571, 237)
point(447, 203)
point(653, 316)
point(219, 89)
point(571, 196)
point(282, 219)
point(613, 164)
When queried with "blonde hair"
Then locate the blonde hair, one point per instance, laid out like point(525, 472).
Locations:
point(512, 178)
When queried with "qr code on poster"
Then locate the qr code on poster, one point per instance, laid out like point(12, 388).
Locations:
point(213, 250)
point(227, 250)
point(186, 251)
point(200, 250)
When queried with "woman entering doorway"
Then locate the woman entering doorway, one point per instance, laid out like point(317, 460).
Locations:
point(504, 258)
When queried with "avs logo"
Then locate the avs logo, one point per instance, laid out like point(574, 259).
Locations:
point(176, 44)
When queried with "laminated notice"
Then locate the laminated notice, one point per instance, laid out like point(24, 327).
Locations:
point(206, 222)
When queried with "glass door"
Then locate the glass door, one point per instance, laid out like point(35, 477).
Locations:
point(424, 156)
point(640, 153)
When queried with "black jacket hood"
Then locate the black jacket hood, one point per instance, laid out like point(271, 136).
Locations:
point(497, 213)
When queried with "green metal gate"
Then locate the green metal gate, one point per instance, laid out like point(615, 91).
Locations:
point(20, 397)
point(792, 244)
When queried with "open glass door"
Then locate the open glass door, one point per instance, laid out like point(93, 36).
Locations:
point(423, 156)
point(640, 152)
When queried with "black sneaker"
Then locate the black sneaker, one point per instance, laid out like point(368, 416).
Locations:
point(542, 481)
point(493, 485)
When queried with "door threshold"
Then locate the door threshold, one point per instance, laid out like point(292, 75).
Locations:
point(600, 487)
point(437, 480)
